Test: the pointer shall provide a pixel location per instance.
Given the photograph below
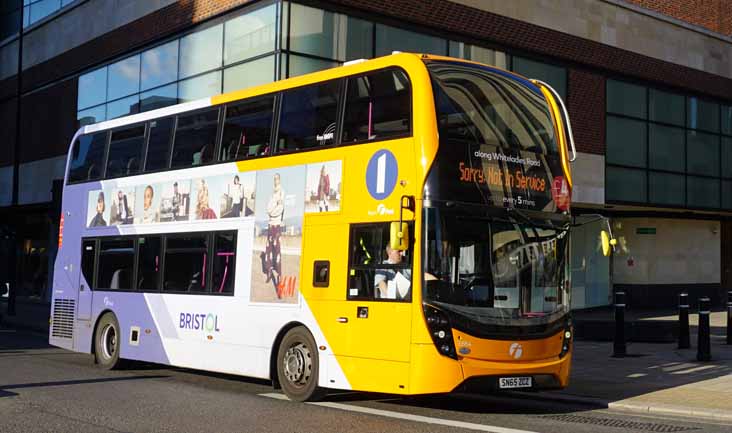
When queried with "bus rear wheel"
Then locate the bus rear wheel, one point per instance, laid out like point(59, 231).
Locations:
point(297, 366)
point(107, 342)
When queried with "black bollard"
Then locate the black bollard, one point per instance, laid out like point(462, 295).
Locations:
point(704, 346)
point(619, 342)
point(729, 317)
point(684, 340)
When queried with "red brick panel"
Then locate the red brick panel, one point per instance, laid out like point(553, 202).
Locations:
point(586, 106)
point(48, 121)
point(713, 15)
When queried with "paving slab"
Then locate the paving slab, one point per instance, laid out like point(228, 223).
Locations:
point(654, 378)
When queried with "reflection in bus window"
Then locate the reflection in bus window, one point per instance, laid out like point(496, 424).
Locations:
point(378, 106)
point(480, 106)
point(87, 159)
point(247, 129)
point(195, 138)
point(125, 152)
point(116, 262)
point(308, 117)
point(185, 263)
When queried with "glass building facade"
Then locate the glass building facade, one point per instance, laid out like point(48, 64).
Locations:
point(258, 45)
point(667, 149)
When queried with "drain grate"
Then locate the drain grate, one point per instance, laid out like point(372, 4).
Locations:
point(619, 423)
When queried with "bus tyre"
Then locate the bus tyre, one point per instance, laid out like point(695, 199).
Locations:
point(297, 366)
point(107, 342)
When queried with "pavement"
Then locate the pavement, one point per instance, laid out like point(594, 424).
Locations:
point(641, 325)
point(655, 378)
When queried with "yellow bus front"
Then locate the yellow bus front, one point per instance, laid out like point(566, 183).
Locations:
point(492, 311)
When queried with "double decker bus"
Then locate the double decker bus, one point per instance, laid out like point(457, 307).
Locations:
point(396, 225)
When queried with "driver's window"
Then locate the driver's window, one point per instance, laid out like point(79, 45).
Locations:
point(376, 272)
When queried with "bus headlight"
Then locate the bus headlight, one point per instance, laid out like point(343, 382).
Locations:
point(438, 325)
point(567, 339)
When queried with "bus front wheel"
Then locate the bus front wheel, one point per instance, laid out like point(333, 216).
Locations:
point(107, 342)
point(297, 366)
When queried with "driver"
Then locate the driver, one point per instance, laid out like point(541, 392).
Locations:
point(393, 283)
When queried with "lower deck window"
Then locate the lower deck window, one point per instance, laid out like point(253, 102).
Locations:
point(201, 263)
point(116, 261)
point(185, 263)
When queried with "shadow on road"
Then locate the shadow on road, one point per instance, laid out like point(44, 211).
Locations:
point(16, 386)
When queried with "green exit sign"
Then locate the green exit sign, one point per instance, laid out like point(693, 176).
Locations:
point(645, 231)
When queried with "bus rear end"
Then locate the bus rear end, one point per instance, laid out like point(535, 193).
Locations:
point(495, 236)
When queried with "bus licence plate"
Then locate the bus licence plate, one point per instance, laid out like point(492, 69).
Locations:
point(514, 382)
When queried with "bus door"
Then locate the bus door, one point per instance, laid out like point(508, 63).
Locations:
point(86, 279)
point(378, 308)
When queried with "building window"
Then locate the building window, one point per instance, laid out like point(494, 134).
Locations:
point(666, 149)
point(250, 35)
point(199, 87)
point(10, 18)
point(249, 74)
point(329, 35)
point(159, 66)
point(123, 78)
point(475, 53)
point(201, 51)
point(390, 39)
point(555, 76)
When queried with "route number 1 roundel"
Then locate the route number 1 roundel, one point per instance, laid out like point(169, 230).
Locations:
point(381, 174)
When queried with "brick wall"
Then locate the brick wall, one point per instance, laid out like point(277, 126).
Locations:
point(714, 15)
point(586, 106)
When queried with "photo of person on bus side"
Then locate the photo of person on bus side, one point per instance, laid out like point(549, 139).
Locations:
point(98, 220)
point(203, 210)
point(272, 253)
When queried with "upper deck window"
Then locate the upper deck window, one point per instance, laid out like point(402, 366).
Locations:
point(195, 138)
point(247, 129)
point(484, 106)
point(87, 158)
point(158, 146)
point(379, 106)
point(308, 116)
point(125, 152)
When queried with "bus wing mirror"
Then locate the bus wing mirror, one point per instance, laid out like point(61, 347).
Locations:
point(399, 236)
point(607, 243)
